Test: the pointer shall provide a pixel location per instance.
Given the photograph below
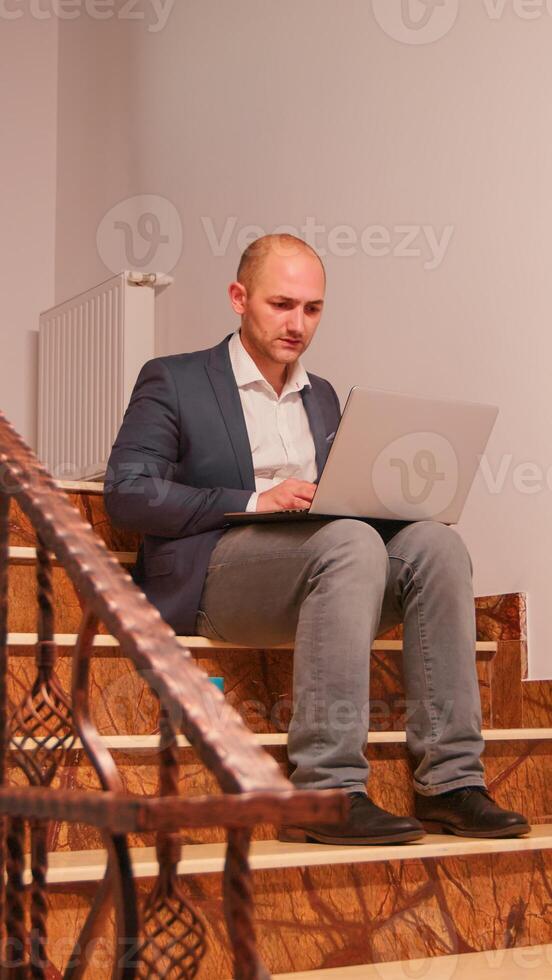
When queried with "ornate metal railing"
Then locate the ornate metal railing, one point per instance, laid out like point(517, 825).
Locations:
point(167, 936)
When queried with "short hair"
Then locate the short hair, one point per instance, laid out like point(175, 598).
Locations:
point(256, 253)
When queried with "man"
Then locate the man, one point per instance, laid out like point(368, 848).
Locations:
point(243, 426)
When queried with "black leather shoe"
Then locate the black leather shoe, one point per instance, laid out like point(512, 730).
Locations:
point(469, 812)
point(365, 823)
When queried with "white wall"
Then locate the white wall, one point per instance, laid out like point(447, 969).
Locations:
point(28, 114)
point(96, 166)
point(269, 113)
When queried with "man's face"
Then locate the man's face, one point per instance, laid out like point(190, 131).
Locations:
point(280, 316)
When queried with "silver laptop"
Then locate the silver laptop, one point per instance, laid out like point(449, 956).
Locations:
point(397, 457)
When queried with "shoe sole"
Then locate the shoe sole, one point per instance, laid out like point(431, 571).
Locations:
point(295, 835)
point(441, 827)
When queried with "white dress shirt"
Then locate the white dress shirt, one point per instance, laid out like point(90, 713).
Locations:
point(279, 433)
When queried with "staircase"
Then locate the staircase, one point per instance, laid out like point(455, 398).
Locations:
point(437, 908)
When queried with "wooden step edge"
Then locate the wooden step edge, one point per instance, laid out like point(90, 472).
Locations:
point(81, 486)
point(202, 642)
point(520, 963)
point(24, 555)
point(149, 743)
point(74, 867)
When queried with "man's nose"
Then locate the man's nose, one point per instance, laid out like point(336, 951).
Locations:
point(297, 320)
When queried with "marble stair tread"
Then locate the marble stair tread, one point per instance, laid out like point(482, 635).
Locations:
point(135, 743)
point(73, 867)
point(519, 963)
point(25, 555)
point(202, 642)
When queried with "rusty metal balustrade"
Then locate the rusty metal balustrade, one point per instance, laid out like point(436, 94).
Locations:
point(167, 935)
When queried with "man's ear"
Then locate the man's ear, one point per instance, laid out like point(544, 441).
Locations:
point(238, 297)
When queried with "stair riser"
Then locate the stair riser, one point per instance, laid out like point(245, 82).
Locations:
point(22, 602)
point(258, 686)
point(341, 915)
point(22, 605)
point(519, 775)
point(260, 682)
point(122, 703)
point(91, 507)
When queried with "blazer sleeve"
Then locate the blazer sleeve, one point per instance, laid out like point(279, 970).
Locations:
point(140, 491)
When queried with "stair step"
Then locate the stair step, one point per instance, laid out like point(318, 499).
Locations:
point(23, 555)
point(508, 964)
point(73, 867)
point(68, 640)
point(81, 486)
point(136, 743)
point(518, 773)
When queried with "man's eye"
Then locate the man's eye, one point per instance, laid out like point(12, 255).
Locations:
point(280, 306)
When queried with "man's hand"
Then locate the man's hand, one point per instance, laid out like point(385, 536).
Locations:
point(289, 495)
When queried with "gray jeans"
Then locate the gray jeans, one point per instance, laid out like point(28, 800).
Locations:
point(332, 587)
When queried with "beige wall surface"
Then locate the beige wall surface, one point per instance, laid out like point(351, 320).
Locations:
point(28, 122)
point(96, 166)
point(416, 154)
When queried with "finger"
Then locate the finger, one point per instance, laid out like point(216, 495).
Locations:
point(304, 494)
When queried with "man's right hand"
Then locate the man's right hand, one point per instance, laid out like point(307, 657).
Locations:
point(289, 495)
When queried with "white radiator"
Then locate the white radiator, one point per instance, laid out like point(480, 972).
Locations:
point(90, 351)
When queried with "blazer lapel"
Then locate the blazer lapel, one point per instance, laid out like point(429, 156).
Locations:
point(318, 429)
point(221, 376)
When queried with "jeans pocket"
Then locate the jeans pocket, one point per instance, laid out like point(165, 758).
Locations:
point(204, 627)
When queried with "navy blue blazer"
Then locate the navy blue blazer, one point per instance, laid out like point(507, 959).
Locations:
point(182, 458)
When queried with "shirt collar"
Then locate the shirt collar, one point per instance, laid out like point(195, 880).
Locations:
point(246, 371)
